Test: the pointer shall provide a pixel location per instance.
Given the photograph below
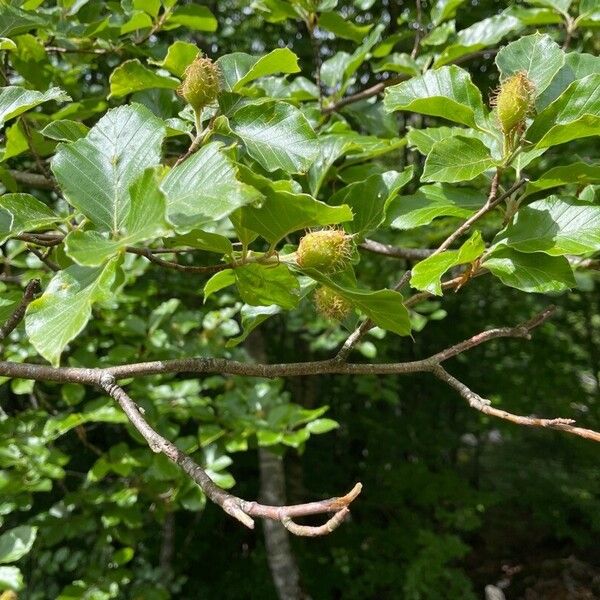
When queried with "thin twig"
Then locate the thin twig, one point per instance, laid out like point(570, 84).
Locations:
point(60, 50)
point(418, 30)
point(197, 141)
point(311, 24)
point(482, 405)
point(376, 89)
point(413, 254)
point(107, 377)
point(38, 159)
point(40, 239)
point(35, 180)
point(492, 201)
point(49, 240)
point(44, 259)
point(240, 509)
point(31, 291)
point(167, 264)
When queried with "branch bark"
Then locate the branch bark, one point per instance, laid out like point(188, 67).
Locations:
point(243, 510)
point(107, 377)
point(376, 89)
point(413, 254)
point(491, 203)
point(34, 180)
point(482, 405)
point(31, 291)
point(282, 563)
point(240, 509)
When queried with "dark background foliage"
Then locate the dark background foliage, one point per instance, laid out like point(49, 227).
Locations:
point(452, 500)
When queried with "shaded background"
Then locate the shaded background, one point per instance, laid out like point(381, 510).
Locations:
point(452, 501)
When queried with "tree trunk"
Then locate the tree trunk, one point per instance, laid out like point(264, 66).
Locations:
point(284, 570)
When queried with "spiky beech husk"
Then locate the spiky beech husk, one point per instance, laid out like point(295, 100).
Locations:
point(514, 101)
point(331, 305)
point(201, 83)
point(328, 250)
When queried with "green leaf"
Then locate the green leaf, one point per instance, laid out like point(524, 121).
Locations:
point(252, 317)
point(384, 307)
point(62, 312)
point(579, 173)
point(589, 9)
point(444, 10)
point(16, 543)
point(574, 114)
point(457, 159)
point(432, 201)
point(358, 57)
point(239, 69)
point(479, 36)
point(96, 172)
point(131, 76)
point(27, 214)
point(195, 17)
point(340, 27)
point(536, 55)
point(217, 282)
point(424, 139)
point(139, 20)
point(65, 130)
point(369, 199)
point(277, 136)
point(427, 274)
point(15, 100)
point(145, 220)
point(535, 272)
point(340, 142)
point(333, 69)
point(398, 62)
point(263, 285)
point(555, 226)
point(204, 240)
point(577, 66)
point(204, 188)
point(11, 578)
point(322, 426)
point(7, 44)
point(98, 411)
point(447, 92)
point(283, 212)
point(152, 7)
point(14, 21)
point(561, 6)
point(179, 55)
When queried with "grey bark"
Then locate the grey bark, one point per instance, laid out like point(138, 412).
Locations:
point(284, 569)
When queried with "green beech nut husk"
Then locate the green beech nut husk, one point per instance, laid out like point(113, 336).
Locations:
point(201, 83)
point(331, 305)
point(328, 250)
point(513, 101)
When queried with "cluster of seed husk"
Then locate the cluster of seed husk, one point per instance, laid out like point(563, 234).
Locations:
point(331, 305)
point(201, 83)
point(328, 250)
point(514, 101)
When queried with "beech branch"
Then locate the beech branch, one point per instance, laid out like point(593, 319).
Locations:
point(238, 508)
point(32, 289)
point(376, 89)
point(482, 405)
point(493, 200)
point(412, 254)
point(244, 510)
point(93, 376)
